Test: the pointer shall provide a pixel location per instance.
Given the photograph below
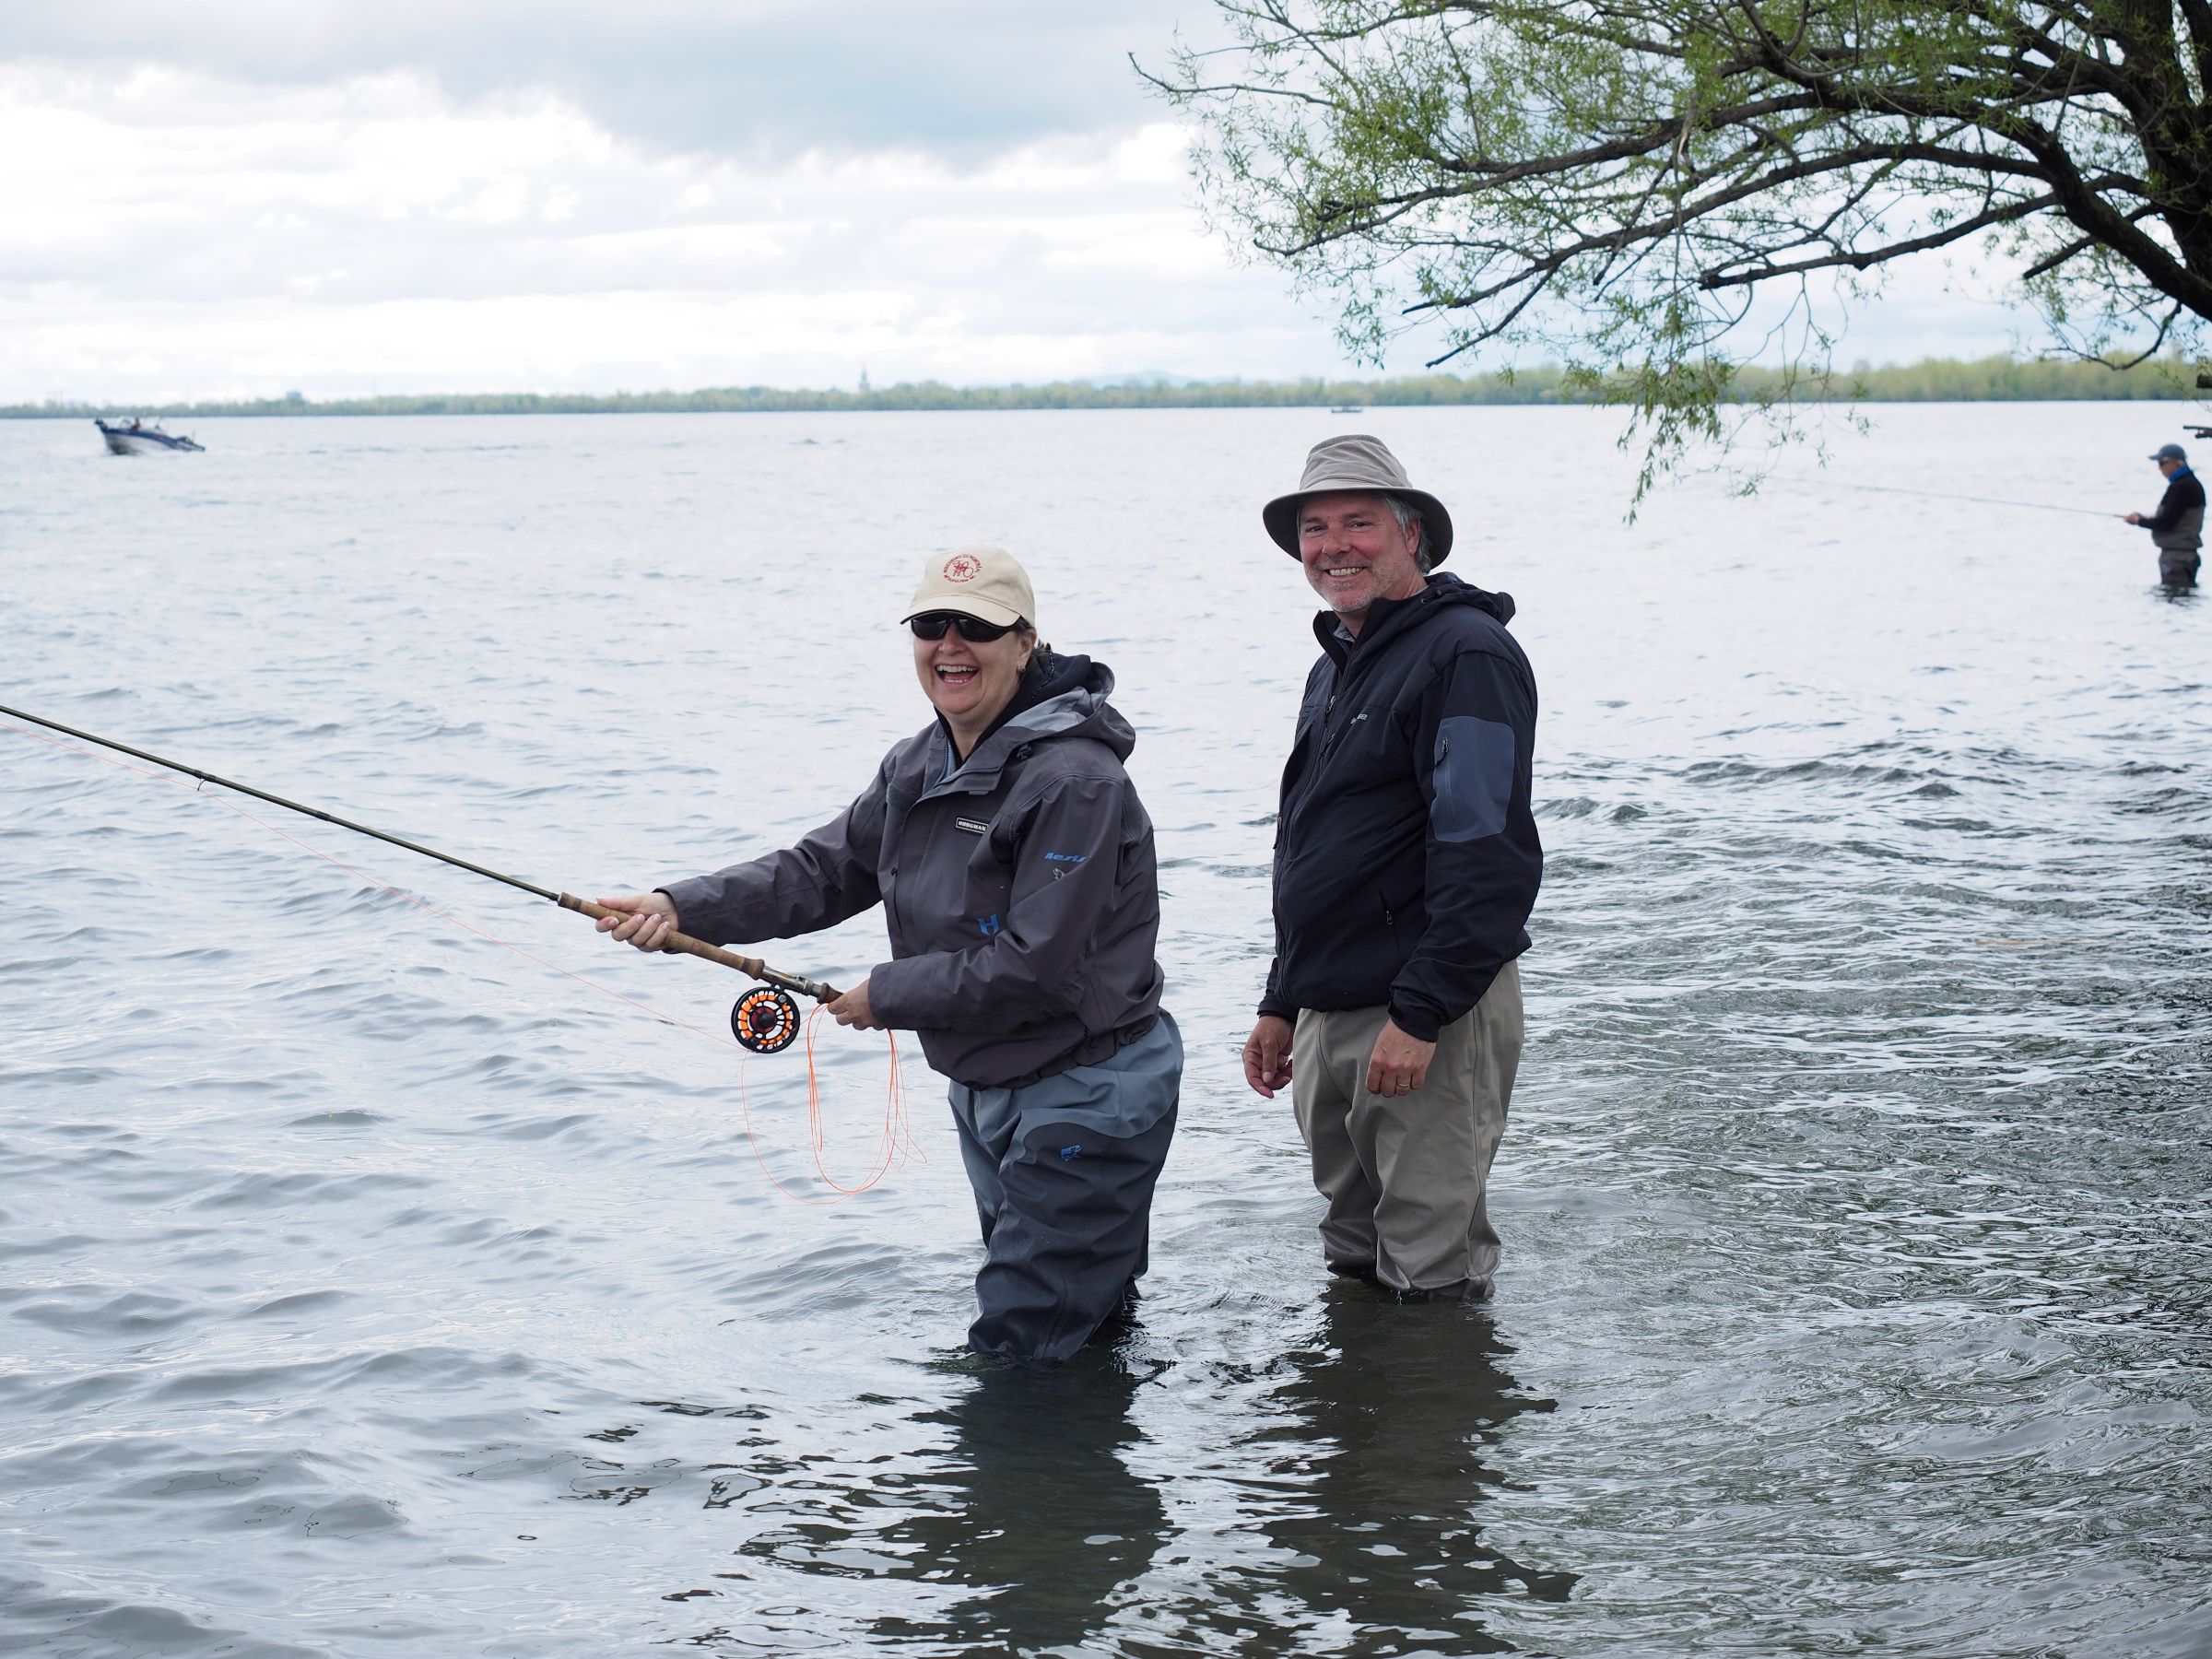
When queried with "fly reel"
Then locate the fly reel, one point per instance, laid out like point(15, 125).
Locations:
point(765, 1020)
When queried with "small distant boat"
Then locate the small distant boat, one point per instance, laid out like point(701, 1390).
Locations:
point(1348, 409)
point(136, 437)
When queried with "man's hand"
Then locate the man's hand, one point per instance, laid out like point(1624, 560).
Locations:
point(851, 1009)
point(1400, 1064)
point(1267, 1055)
point(646, 921)
point(2135, 518)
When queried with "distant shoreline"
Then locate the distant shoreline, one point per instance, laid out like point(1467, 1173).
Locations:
point(1939, 380)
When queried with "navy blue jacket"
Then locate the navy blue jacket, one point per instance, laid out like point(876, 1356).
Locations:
point(1405, 852)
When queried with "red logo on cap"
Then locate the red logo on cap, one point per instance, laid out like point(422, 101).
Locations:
point(963, 567)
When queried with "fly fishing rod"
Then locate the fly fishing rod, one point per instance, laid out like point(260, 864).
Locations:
point(764, 1020)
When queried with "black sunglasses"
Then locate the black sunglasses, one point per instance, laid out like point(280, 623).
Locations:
point(930, 625)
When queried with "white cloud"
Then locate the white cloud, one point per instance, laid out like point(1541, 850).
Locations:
point(206, 218)
point(959, 77)
point(189, 235)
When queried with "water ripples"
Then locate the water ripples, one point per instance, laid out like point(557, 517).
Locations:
point(365, 1288)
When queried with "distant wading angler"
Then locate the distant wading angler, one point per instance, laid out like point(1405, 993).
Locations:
point(1407, 862)
point(2177, 528)
point(1015, 868)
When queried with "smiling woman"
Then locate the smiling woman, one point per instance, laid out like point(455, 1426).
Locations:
point(971, 662)
point(1014, 864)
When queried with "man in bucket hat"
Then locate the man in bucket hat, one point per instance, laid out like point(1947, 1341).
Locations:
point(1405, 864)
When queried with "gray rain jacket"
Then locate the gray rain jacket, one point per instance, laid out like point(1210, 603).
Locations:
point(1020, 890)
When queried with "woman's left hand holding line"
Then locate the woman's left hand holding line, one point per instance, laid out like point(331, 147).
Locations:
point(851, 1009)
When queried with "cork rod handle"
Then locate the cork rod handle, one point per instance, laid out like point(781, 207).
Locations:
point(751, 967)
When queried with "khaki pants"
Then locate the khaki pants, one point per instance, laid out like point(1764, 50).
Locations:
point(1404, 1175)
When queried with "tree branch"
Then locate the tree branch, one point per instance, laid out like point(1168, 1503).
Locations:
point(1861, 262)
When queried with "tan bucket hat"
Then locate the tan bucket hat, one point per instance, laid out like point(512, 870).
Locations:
point(976, 582)
point(1362, 465)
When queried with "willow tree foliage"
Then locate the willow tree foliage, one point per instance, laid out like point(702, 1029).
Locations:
point(1655, 191)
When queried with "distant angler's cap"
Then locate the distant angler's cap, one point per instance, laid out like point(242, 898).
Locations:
point(1358, 464)
point(988, 582)
point(2171, 452)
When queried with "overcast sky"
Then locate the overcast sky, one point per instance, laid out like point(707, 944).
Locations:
point(239, 197)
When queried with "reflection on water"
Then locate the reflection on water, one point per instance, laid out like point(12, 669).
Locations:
point(1035, 1515)
point(1392, 1411)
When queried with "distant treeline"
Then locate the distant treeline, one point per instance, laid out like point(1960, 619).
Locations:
point(1939, 380)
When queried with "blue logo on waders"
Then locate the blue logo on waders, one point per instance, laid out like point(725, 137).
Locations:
point(987, 925)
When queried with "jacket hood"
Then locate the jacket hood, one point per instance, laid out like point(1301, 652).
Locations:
point(1066, 696)
point(1389, 617)
point(1059, 697)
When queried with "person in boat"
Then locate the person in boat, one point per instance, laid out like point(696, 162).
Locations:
point(2177, 528)
point(1406, 861)
point(1016, 867)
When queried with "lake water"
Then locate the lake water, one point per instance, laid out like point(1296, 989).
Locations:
point(367, 1288)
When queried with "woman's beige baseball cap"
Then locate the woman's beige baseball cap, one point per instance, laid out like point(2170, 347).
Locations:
point(988, 582)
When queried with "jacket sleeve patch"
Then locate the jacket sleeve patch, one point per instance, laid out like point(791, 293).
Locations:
point(1473, 778)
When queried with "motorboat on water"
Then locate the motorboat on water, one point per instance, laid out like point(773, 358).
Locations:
point(134, 437)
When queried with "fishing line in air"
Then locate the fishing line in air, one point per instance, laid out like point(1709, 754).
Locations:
point(895, 1140)
point(1951, 495)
